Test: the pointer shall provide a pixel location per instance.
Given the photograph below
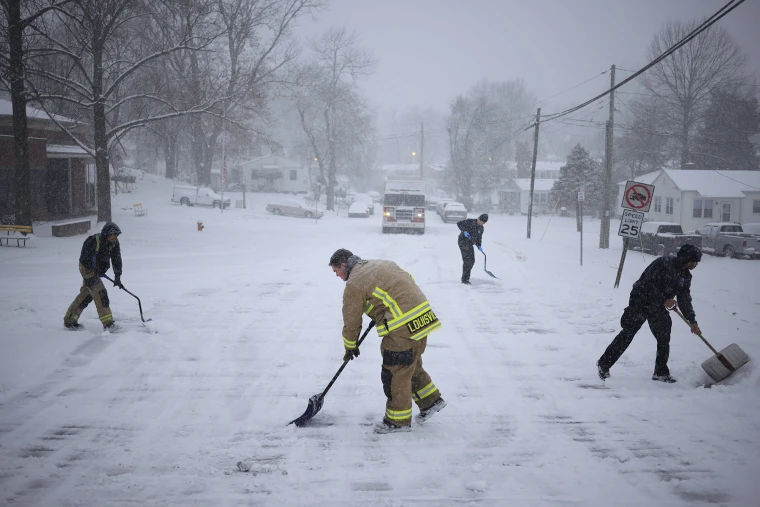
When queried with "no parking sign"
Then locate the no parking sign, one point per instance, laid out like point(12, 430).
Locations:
point(637, 196)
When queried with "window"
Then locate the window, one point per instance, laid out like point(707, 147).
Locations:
point(657, 204)
point(293, 174)
point(541, 198)
point(708, 208)
point(697, 208)
point(668, 205)
point(756, 206)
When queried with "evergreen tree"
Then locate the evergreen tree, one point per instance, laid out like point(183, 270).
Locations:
point(723, 142)
point(580, 171)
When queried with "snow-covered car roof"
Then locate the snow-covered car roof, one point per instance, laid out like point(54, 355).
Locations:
point(358, 207)
point(456, 206)
point(288, 202)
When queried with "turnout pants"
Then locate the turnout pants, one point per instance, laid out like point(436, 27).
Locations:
point(404, 379)
point(631, 321)
point(92, 290)
point(468, 257)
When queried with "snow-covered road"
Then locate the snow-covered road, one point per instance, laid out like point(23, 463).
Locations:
point(248, 321)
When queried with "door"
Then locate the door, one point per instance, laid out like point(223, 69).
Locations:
point(725, 212)
point(57, 189)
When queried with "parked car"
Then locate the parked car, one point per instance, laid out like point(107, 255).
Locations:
point(442, 204)
point(293, 209)
point(727, 239)
point(360, 209)
point(365, 199)
point(197, 196)
point(752, 228)
point(663, 238)
point(454, 212)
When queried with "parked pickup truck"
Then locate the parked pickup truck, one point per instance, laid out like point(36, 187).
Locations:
point(663, 238)
point(197, 196)
point(728, 239)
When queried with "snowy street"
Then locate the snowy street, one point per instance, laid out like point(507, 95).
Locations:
point(247, 317)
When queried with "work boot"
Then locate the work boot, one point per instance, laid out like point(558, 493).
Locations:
point(73, 325)
point(111, 327)
point(664, 378)
point(70, 321)
point(386, 426)
point(426, 414)
point(466, 282)
point(604, 373)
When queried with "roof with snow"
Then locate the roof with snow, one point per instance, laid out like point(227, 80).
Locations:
point(709, 183)
point(6, 109)
point(540, 185)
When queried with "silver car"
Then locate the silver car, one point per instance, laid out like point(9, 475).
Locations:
point(293, 209)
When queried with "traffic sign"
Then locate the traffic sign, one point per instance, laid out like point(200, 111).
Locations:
point(630, 224)
point(581, 195)
point(637, 196)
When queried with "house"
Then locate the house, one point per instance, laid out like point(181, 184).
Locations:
point(62, 179)
point(693, 198)
point(270, 173)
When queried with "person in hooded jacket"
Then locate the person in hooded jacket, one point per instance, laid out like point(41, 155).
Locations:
point(404, 319)
point(664, 284)
point(98, 251)
point(472, 234)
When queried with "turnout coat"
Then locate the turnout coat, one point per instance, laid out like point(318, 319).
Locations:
point(390, 297)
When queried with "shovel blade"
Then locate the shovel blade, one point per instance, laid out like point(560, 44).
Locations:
point(733, 355)
point(492, 275)
point(315, 405)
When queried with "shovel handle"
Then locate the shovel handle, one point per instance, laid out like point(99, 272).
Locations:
point(720, 356)
point(359, 342)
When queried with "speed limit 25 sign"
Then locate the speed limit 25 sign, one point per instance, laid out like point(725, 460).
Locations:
point(630, 224)
point(637, 196)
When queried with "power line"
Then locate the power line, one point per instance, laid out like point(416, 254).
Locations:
point(571, 88)
point(723, 11)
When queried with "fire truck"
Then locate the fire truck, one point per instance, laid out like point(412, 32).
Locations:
point(404, 206)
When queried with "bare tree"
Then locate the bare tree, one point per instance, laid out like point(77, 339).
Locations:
point(684, 80)
point(13, 66)
point(96, 51)
point(333, 115)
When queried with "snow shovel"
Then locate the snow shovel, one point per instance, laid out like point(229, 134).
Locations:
point(139, 305)
point(315, 402)
point(723, 363)
point(485, 261)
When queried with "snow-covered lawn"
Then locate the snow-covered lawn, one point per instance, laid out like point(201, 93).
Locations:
point(248, 320)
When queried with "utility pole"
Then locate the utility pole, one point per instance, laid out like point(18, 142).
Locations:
point(422, 148)
point(604, 230)
point(533, 168)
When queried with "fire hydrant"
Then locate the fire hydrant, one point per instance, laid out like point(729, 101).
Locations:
point(200, 225)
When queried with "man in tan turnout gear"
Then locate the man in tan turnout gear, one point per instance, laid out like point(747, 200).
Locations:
point(403, 318)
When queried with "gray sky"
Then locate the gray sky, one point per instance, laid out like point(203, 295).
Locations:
point(430, 50)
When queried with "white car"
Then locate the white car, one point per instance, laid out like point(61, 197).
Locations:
point(360, 209)
point(454, 212)
point(293, 209)
point(751, 228)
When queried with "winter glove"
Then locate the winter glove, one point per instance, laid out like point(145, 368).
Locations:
point(350, 354)
point(117, 282)
point(466, 234)
point(480, 248)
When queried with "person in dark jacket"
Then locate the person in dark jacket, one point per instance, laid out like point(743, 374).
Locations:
point(98, 251)
point(472, 234)
point(665, 281)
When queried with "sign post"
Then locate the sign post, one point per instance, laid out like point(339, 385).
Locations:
point(581, 198)
point(637, 200)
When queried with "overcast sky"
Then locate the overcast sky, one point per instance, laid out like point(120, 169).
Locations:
point(431, 50)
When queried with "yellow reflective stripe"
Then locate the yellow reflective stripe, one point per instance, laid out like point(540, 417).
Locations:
point(398, 415)
point(349, 344)
point(426, 331)
point(388, 301)
point(368, 307)
point(106, 318)
point(425, 391)
point(411, 314)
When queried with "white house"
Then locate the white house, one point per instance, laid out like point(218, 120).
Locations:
point(271, 173)
point(693, 198)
